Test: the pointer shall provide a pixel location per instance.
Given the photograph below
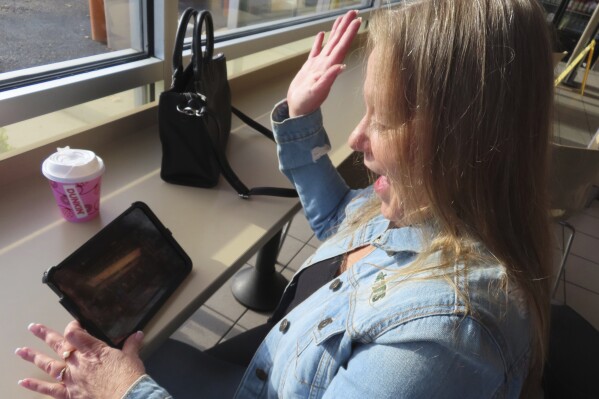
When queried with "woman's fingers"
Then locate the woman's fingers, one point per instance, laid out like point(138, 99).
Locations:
point(346, 39)
point(80, 339)
point(342, 43)
point(94, 370)
point(313, 82)
point(53, 339)
point(133, 344)
point(317, 46)
point(342, 34)
point(336, 23)
point(56, 390)
point(337, 30)
point(51, 366)
point(343, 31)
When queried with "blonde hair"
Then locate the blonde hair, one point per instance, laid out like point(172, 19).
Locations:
point(468, 87)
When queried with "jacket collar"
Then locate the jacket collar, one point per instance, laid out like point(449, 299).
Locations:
point(380, 234)
point(402, 239)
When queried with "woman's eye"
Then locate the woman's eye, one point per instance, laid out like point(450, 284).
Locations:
point(375, 125)
point(378, 127)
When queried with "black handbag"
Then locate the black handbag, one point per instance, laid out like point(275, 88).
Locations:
point(194, 116)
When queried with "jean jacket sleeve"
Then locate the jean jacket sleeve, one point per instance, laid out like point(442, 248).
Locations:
point(146, 388)
point(302, 147)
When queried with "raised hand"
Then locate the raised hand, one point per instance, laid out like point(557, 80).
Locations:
point(313, 82)
point(88, 368)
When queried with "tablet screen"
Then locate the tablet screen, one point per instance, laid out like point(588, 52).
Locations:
point(117, 280)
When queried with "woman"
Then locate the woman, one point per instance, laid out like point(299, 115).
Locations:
point(439, 270)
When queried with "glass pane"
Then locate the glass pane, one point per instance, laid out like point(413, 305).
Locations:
point(229, 15)
point(39, 32)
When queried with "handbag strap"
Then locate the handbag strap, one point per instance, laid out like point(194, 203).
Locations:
point(253, 124)
point(179, 39)
point(243, 191)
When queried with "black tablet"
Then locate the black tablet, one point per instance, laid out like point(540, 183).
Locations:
point(115, 282)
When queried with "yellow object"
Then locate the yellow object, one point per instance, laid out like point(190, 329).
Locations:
point(586, 72)
point(588, 49)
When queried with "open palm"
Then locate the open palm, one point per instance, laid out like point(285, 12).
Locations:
point(313, 82)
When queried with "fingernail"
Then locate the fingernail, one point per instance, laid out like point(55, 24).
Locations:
point(17, 351)
point(34, 328)
point(139, 335)
point(342, 66)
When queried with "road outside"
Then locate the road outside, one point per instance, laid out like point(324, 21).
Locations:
point(38, 32)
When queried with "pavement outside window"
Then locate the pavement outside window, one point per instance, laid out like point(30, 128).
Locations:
point(39, 32)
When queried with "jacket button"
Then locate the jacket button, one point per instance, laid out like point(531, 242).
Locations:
point(284, 326)
point(324, 323)
point(261, 374)
point(336, 284)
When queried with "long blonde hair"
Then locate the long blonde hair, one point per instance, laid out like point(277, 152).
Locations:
point(468, 86)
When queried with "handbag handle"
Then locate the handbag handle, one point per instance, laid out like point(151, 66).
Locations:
point(178, 50)
point(198, 56)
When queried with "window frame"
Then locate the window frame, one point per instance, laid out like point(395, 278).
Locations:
point(33, 100)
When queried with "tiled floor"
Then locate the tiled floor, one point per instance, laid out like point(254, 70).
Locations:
point(577, 118)
point(223, 317)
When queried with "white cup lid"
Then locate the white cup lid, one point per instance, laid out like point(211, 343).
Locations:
point(68, 165)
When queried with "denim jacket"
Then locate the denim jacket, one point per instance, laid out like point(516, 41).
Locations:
point(367, 334)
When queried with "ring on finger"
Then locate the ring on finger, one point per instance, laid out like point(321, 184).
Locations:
point(67, 354)
point(62, 373)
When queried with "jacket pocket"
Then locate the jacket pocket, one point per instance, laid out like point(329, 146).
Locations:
point(318, 357)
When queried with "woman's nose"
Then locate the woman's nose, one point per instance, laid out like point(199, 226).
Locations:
point(358, 140)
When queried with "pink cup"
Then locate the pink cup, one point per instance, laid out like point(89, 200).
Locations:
point(75, 178)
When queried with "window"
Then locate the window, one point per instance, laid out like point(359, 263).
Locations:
point(69, 30)
point(65, 65)
point(231, 17)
